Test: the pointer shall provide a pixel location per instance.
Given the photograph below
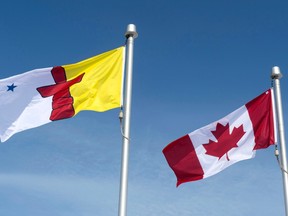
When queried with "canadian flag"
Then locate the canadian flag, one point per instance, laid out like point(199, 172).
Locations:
point(237, 136)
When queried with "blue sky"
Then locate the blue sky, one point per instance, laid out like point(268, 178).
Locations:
point(194, 62)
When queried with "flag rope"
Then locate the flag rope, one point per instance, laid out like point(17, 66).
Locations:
point(277, 157)
point(121, 124)
point(276, 146)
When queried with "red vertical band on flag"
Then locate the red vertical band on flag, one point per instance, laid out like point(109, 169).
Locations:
point(260, 111)
point(182, 158)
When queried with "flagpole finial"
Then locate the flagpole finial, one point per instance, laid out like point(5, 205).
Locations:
point(276, 73)
point(131, 31)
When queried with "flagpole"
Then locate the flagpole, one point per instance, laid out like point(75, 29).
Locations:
point(130, 35)
point(276, 75)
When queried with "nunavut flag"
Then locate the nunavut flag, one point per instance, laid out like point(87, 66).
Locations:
point(236, 137)
point(40, 96)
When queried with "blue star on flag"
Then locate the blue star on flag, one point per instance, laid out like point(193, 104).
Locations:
point(11, 87)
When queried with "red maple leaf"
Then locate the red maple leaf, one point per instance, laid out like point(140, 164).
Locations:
point(225, 140)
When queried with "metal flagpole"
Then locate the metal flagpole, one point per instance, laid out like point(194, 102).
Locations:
point(276, 76)
point(130, 35)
